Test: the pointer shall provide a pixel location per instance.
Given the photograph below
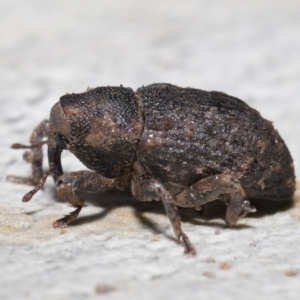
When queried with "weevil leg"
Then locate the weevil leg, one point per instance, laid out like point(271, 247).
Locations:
point(215, 187)
point(151, 189)
point(172, 213)
point(70, 185)
point(34, 156)
point(63, 222)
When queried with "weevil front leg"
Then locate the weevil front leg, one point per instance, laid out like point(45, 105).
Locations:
point(151, 189)
point(63, 222)
point(34, 156)
point(222, 186)
point(69, 187)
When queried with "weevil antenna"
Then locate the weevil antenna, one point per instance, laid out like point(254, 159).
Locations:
point(31, 193)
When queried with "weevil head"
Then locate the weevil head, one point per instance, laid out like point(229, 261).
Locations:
point(101, 127)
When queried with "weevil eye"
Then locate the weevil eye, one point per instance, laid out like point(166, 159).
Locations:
point(61, 141)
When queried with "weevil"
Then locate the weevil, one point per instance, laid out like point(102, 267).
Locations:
point(184, 147)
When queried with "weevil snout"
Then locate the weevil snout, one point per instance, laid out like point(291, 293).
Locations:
point(59, 135)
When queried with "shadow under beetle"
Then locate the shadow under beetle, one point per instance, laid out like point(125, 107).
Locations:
point(182, 146)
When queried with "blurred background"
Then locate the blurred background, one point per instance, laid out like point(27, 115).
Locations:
point(248, 49)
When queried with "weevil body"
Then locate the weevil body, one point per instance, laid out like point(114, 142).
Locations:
point(182, 146)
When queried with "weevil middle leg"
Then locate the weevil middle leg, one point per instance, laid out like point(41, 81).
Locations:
point(34, 156)
point(145, 189)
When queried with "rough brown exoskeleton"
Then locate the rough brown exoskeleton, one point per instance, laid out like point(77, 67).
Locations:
point(182, 146)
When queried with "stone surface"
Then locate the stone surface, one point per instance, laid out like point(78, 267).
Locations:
point(119, 248)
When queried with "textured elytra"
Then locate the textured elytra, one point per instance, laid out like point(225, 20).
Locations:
point(191, 134)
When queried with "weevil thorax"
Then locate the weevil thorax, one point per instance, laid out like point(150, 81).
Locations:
point(101, 128)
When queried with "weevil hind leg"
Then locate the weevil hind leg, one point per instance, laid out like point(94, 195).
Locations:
point(223, 186)
point(34, 156)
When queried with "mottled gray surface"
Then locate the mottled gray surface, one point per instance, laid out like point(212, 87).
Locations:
point(118, 248)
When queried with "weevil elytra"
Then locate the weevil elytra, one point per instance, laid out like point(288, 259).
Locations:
point(184, 147)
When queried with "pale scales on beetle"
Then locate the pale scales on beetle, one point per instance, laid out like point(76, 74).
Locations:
point(182, 146)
